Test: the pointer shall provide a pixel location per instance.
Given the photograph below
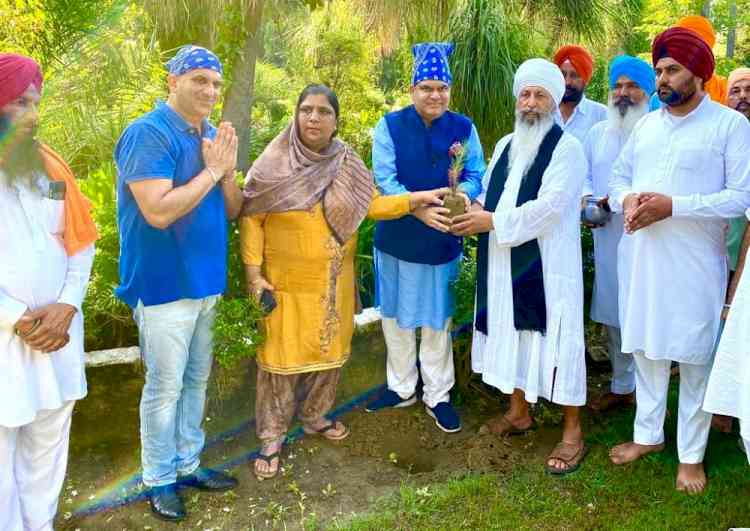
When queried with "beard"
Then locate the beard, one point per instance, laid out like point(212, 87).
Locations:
point(744, 108)
point(572, 95)
point(528, 133)
point(22, 159)
point(674, 97)
point(623, 114)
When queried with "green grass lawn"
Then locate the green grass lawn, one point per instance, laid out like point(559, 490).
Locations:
point(639, 496)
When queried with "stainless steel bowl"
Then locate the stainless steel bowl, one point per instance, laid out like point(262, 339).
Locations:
point(593, 214)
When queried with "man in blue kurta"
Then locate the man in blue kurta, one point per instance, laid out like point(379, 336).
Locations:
point(416, 258)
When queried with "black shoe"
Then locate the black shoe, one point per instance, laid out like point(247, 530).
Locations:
point(207, 479)
point(166, 503)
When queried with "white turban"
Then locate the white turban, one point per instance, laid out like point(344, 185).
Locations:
point(540, 73)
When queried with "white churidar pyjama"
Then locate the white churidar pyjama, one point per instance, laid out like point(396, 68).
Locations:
point(435, 358)
point(33, 459)
point(693, 424)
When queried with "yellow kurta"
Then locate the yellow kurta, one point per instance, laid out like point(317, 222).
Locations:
point(313, 278)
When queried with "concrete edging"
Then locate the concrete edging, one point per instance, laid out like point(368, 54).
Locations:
point(117, 356)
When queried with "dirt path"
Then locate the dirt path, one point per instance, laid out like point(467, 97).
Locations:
point(321, 483)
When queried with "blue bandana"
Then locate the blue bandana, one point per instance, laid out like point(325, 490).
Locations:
point(192, 57)
point(637, 70)
point(431, 62)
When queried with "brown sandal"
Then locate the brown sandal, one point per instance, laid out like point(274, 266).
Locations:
point(501, 426)
point(571, 455)
point(326, 431)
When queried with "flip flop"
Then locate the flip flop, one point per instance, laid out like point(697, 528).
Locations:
point(503, 426)
point(268, 459)
point(572, 461)
point(325, 431)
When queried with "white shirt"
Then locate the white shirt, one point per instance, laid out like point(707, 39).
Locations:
point(673, 274)
point(35, 271)
point(506, 358)
point(585, 115)
point(602, 146)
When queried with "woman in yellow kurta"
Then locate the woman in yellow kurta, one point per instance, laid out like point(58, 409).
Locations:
point(305, 198)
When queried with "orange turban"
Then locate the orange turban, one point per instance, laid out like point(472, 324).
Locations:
point(700, 25)
point(579, 57)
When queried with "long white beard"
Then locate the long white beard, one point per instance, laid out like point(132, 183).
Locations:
point(527, 138)
point(625, 124)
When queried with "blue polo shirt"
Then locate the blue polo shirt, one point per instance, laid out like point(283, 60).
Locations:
point(188, 259)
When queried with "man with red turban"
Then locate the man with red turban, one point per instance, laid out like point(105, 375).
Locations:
point(577, 114)
point(716, 86)
point(47, 241)
point(683, 173)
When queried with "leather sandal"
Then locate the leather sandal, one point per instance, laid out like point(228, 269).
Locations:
point(501, 426)
point(571, 455)
point(326, 431)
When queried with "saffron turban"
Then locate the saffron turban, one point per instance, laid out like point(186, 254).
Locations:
point(687, 48)
point(431, 62)
point(192, 57)
point(738, 74)
point(579, 57)
point(635, 69)
point(540, 73)
point(701, 26)
point(17, 73)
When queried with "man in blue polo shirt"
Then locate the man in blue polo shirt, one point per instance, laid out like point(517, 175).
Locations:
point(175, 193)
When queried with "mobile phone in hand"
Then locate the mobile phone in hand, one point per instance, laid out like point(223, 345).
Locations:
point(267, 301)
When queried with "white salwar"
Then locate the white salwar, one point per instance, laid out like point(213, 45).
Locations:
point(37, 390)
point(602, 146)
point(526, 360)
point(728, 390)
point(673, 273)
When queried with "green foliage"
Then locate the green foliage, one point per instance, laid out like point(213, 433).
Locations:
point(237, 334)
point(48, 29)
point(489, 47)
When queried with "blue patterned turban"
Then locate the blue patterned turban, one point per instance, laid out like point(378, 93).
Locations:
point(192, 57)
point(431, 62)
point(637, 70)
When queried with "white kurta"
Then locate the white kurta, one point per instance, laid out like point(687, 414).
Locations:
point(585, 115)
point(527, 360)
point(728, 390)
point(602, 146)
point(673, 274)
point(35, 271)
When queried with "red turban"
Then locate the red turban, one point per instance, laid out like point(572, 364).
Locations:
point(17, 73)
point(579, 57)
point(687, 48)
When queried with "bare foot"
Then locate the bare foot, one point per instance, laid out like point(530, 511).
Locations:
point(691, 478)
point(630, 451)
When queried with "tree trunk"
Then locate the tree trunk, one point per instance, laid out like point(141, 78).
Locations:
point(732, 33)
point(706, 9)
point(239, 98)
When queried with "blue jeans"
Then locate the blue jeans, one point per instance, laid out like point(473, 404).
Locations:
point(176, 346)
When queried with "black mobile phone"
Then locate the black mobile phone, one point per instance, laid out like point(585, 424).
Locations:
point(267, 301)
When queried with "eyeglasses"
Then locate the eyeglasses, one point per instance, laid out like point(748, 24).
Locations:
point(324, 113)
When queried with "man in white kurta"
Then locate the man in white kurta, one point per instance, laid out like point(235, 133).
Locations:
point(41, 325)
point(728, 390)
point(527, 362)
point(631, 81)
point(576, 113)
point(682, 174)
